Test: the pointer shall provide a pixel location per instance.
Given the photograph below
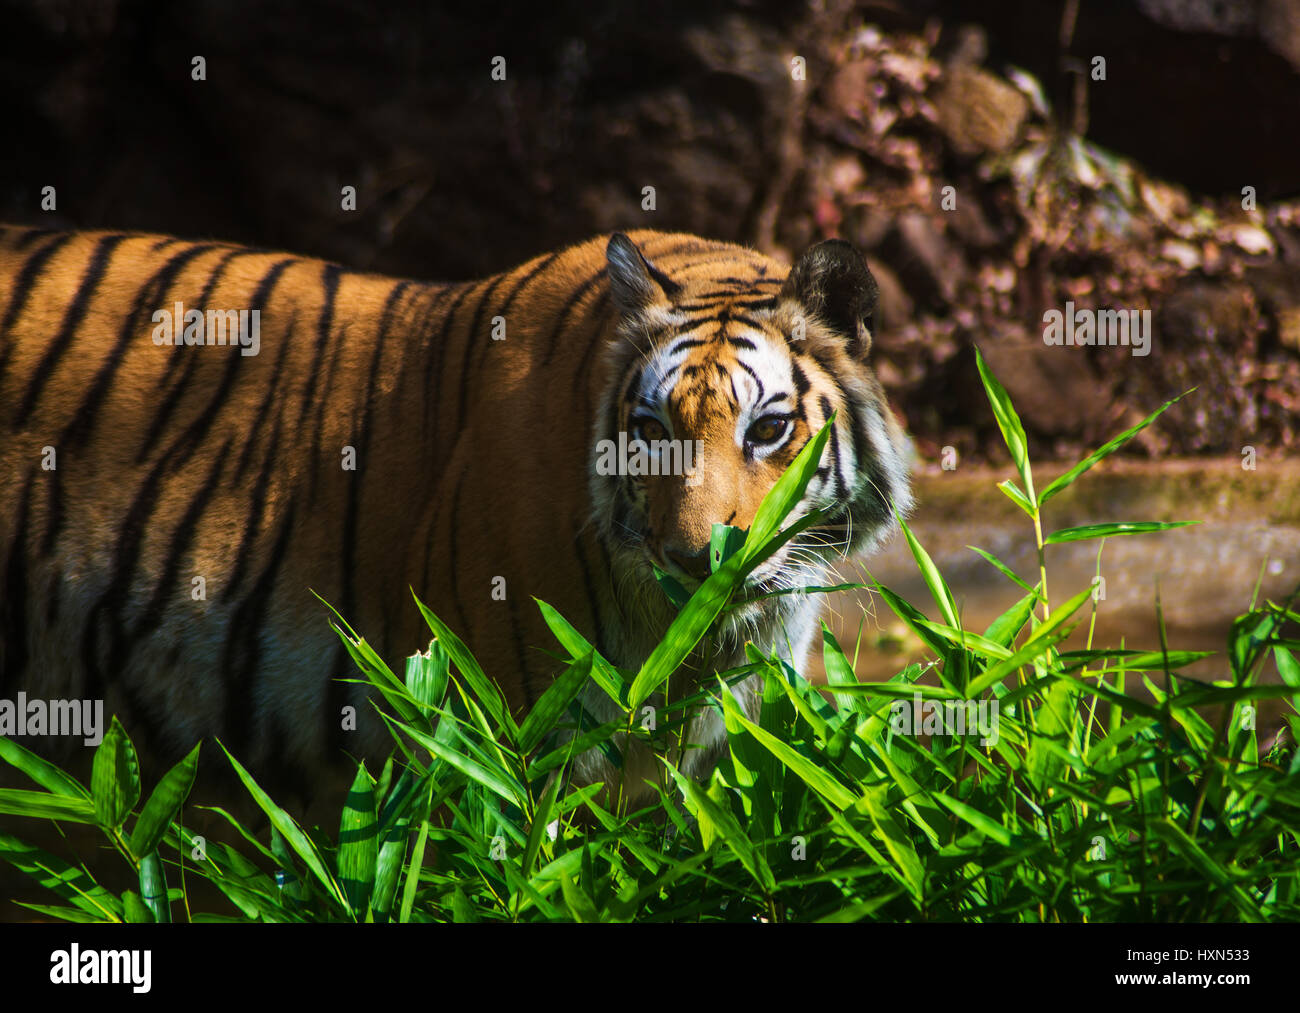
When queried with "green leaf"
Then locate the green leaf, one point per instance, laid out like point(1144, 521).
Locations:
point(541, 820)
point(1104, 451)
point(413, 874)
point(554, 702)
point(1013, 433)
point(576, 746)
point(1004, 628)
point(933, 578)
point(485, 690)
point(1134, 660)
point(896, 841)
point(288, 829)
point(724, 543)
point(494, 780)
point(53, 873)
point(969, 641)
point(605, 675)
point(839, 671)
point(1041, 641)
point(388, 869)
point(785, 495)
point(43, 805)
point(44, 773)
point(136, 910)
point(1109, 530)
point(115, 777)
point(1013, 493)
point(817, 779)
point(358, 854)
point(153, 888)
point(1287, 667)
point(1003, 569)
point(726, 827)
point(427, 674)
point(164, 803)
point(687, 629)
point(671, 587)
point(580, 905)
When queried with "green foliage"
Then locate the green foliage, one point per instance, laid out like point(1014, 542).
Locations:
point(1080, 802)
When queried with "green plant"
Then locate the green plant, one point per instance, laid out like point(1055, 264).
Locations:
point(1084, 802)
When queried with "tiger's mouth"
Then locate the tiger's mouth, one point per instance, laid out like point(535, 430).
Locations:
point(764, 580)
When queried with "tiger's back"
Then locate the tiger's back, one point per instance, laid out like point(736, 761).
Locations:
point(171, 508)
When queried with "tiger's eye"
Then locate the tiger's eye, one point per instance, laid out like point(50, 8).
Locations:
point(767, 430)
point(651, 429)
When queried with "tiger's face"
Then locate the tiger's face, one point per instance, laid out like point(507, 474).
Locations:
point(721, 381)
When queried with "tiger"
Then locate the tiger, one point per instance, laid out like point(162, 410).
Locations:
point(183, 481)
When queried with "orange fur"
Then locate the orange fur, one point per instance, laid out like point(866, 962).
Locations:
point(474, 461)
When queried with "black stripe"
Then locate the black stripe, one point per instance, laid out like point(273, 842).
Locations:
point(684, 343)
point(703, 307)
point(153, 292)
point(159, 422)
point(351, 548)
point(575, 296)
point(27, 279)
point(13, 607)
point(29, 236)
point(453, 553)
point(468, 358)
point(506, 304)
point(801, 382)
point(242, 654)
point(742, 343)
point(252, 525)
point(689, 245)
point(323, 400)
point(264, 409)
point(86, 288)
point(126, 553)
point(670, 287)
point(598, 315)
point(432, 395)
point(762, 303)
point(162, 415)
point(762, 392)
point(182, 538)
point(191, 439)
point(53, 511)
point(826, 408)
point(330, 280)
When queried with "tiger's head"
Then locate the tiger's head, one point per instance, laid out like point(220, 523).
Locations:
point(723, 366)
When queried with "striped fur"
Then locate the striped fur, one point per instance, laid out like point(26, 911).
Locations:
point(475, 460)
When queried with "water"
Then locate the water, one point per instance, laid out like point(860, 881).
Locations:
point(1204, 575)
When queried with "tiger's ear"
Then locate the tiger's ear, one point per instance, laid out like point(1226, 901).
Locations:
point(635, 282)
point(832, 281)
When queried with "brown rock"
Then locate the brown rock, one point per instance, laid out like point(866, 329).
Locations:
point(931, 268)
point(1054, 388)
point(1198, 312)
point(978, 112)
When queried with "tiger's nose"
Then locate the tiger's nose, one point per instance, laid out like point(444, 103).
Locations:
point(696, 565)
